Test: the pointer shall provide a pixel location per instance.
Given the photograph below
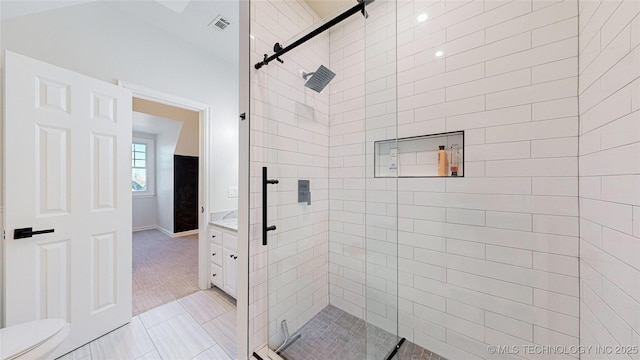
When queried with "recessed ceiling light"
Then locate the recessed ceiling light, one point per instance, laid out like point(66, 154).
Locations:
point(423, 17)
point(439, 53)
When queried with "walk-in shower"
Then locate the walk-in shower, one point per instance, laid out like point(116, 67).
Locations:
point(443, 161)
point(309, 265)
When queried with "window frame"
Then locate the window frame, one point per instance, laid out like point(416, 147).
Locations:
point(149, 166)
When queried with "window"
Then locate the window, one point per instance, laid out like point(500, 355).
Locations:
point(139, 167)
point(142, 167)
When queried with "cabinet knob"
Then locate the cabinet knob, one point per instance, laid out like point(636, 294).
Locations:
point(235, 257)
point(214, 254)
point(231, 256)
point(212, 236)
point(214, 275)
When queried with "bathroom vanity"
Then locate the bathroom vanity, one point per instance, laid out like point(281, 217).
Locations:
point(223, 249)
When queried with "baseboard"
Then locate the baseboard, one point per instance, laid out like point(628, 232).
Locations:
point(178, 234)
point(185, 233)
point(143, 228)
point(163, 230)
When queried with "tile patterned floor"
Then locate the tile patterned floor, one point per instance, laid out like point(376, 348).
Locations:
point(201, 326)
point(336, 335)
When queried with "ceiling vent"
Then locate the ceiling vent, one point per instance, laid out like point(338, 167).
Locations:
point(220, 23)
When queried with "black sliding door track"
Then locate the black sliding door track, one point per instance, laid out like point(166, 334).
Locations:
point(360, 7)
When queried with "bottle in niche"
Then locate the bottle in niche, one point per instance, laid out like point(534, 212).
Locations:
point(442, 161)
point(454, 159)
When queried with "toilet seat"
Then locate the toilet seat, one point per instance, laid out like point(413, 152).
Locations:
point(19, 339)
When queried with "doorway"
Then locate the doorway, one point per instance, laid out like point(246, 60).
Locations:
point(165, 160)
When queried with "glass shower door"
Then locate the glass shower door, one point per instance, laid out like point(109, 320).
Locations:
point(381, 175)
point(324, 235)
point(294, 145)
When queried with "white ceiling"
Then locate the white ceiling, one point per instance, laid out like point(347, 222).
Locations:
point(191, 24)
point(11, 9)
point(187, 20)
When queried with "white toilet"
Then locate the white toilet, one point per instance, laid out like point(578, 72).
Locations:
point(34, 340)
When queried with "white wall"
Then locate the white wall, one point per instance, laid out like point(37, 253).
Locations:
point(491, 258)
point(144, 213)
point(115, 47)
point(289, 134)
point(96, 40)
point(182, 139)
point(610, 174)
point(223, 159)
point(165, 149)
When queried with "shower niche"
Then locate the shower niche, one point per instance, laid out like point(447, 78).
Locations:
point(420, 156)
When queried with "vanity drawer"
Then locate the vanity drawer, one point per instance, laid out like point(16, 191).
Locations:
point(216, 275)
point(216, 254)
point(230, 242)
point(215, 236)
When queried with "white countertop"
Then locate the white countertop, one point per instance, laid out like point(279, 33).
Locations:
point(231, 224)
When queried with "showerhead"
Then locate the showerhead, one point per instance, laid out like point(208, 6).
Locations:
point(319, 79)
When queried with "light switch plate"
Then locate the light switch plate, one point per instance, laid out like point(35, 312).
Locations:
point(233, 191)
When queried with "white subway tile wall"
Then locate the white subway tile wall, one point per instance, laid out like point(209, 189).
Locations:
point(455, 264)
point(348, 203)
point(609, 174)
point(289, 135)
point(491, 258)
point(363, 252)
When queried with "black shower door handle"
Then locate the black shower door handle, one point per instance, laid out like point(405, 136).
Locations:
point(265, 227)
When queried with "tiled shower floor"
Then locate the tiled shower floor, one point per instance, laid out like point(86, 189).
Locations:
point(335, 334)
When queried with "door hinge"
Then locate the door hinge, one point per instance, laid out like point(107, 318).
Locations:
point(243, 116)
point(3, 232)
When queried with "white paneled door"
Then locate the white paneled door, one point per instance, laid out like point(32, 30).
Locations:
point(67, 168)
